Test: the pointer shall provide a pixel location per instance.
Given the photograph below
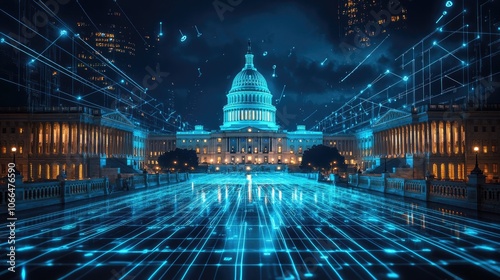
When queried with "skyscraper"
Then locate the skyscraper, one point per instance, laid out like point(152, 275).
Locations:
point(364, 20)
point(111, 44)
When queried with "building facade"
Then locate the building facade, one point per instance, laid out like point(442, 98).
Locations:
point(436, 140)
point(75, 141)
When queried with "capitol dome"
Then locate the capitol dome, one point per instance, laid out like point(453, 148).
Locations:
point(249, 102)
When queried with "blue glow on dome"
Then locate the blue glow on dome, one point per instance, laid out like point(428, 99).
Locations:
point(249, 102)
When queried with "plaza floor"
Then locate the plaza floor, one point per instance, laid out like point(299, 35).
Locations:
point(260, 226)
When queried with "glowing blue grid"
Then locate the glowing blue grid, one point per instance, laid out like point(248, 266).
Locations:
point(269, 226)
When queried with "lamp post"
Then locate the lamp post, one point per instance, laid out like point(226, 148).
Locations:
point(13, 149)
point(476, 169)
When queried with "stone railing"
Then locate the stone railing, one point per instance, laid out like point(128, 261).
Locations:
point(33, 195)
point(489, 198)
point(477, 196)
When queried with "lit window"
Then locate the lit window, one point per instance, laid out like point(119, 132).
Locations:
point(485, 149)
point(493, 149)
point(219, 149)
point(20, 130)
point(495, 168)
point(219, 140)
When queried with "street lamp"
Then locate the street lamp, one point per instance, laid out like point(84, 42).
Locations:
point(476, 169)
point(13, 149)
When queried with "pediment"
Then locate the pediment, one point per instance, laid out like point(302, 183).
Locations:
point(116, 116)
point(390, 116)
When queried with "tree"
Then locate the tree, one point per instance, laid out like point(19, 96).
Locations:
point(178, 160)
point(322, 157)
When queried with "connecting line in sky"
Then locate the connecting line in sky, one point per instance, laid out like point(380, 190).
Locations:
point(87, 15)
point(366, 58)
point(140, 36)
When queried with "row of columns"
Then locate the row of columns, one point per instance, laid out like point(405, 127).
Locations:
point(249, 115)
point(79, 138)
point(444, 138)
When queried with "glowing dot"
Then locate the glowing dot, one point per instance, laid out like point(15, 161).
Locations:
point(88, 255)
point(308, 275)
point(440, 29)
point(445, 13)
point(392, 275)
point(2, 40)
point(63, 32)
point(390, 251)
point(122, 81)
point(183, 38)
point(369, 85)
point(449, 4)
point(264, 54)
point(434, 43)
point(387, 71)
point(464, 44)
point(405, 78)
point(274, 66)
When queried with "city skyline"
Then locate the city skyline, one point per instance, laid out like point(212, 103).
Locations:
point(300, 49)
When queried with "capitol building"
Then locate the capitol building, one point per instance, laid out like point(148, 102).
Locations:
point(249, 134)
point(441, 140)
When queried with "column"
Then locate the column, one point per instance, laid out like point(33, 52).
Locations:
point(59, 150)
point(438, 137)
point(78, 140)
point(459, 140)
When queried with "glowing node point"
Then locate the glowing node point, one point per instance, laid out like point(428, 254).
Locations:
point(406, 78)
point(449, 4)
point(183, 37)
point(369, 85)
point(390, 251)
point(63, 32)
point(392, 275)
point(434, 43)
point(2, 40)
point(387, 71)
point(440, 29)
point(308, 275)
point(122, 81)
point(265, 53)
point(445, 13)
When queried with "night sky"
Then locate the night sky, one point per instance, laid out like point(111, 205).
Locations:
point(295, 35)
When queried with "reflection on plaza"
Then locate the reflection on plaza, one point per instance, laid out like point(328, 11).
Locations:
point(266, 226)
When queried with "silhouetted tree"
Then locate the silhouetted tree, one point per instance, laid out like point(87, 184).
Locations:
point(322, 157)
point(179, 160)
